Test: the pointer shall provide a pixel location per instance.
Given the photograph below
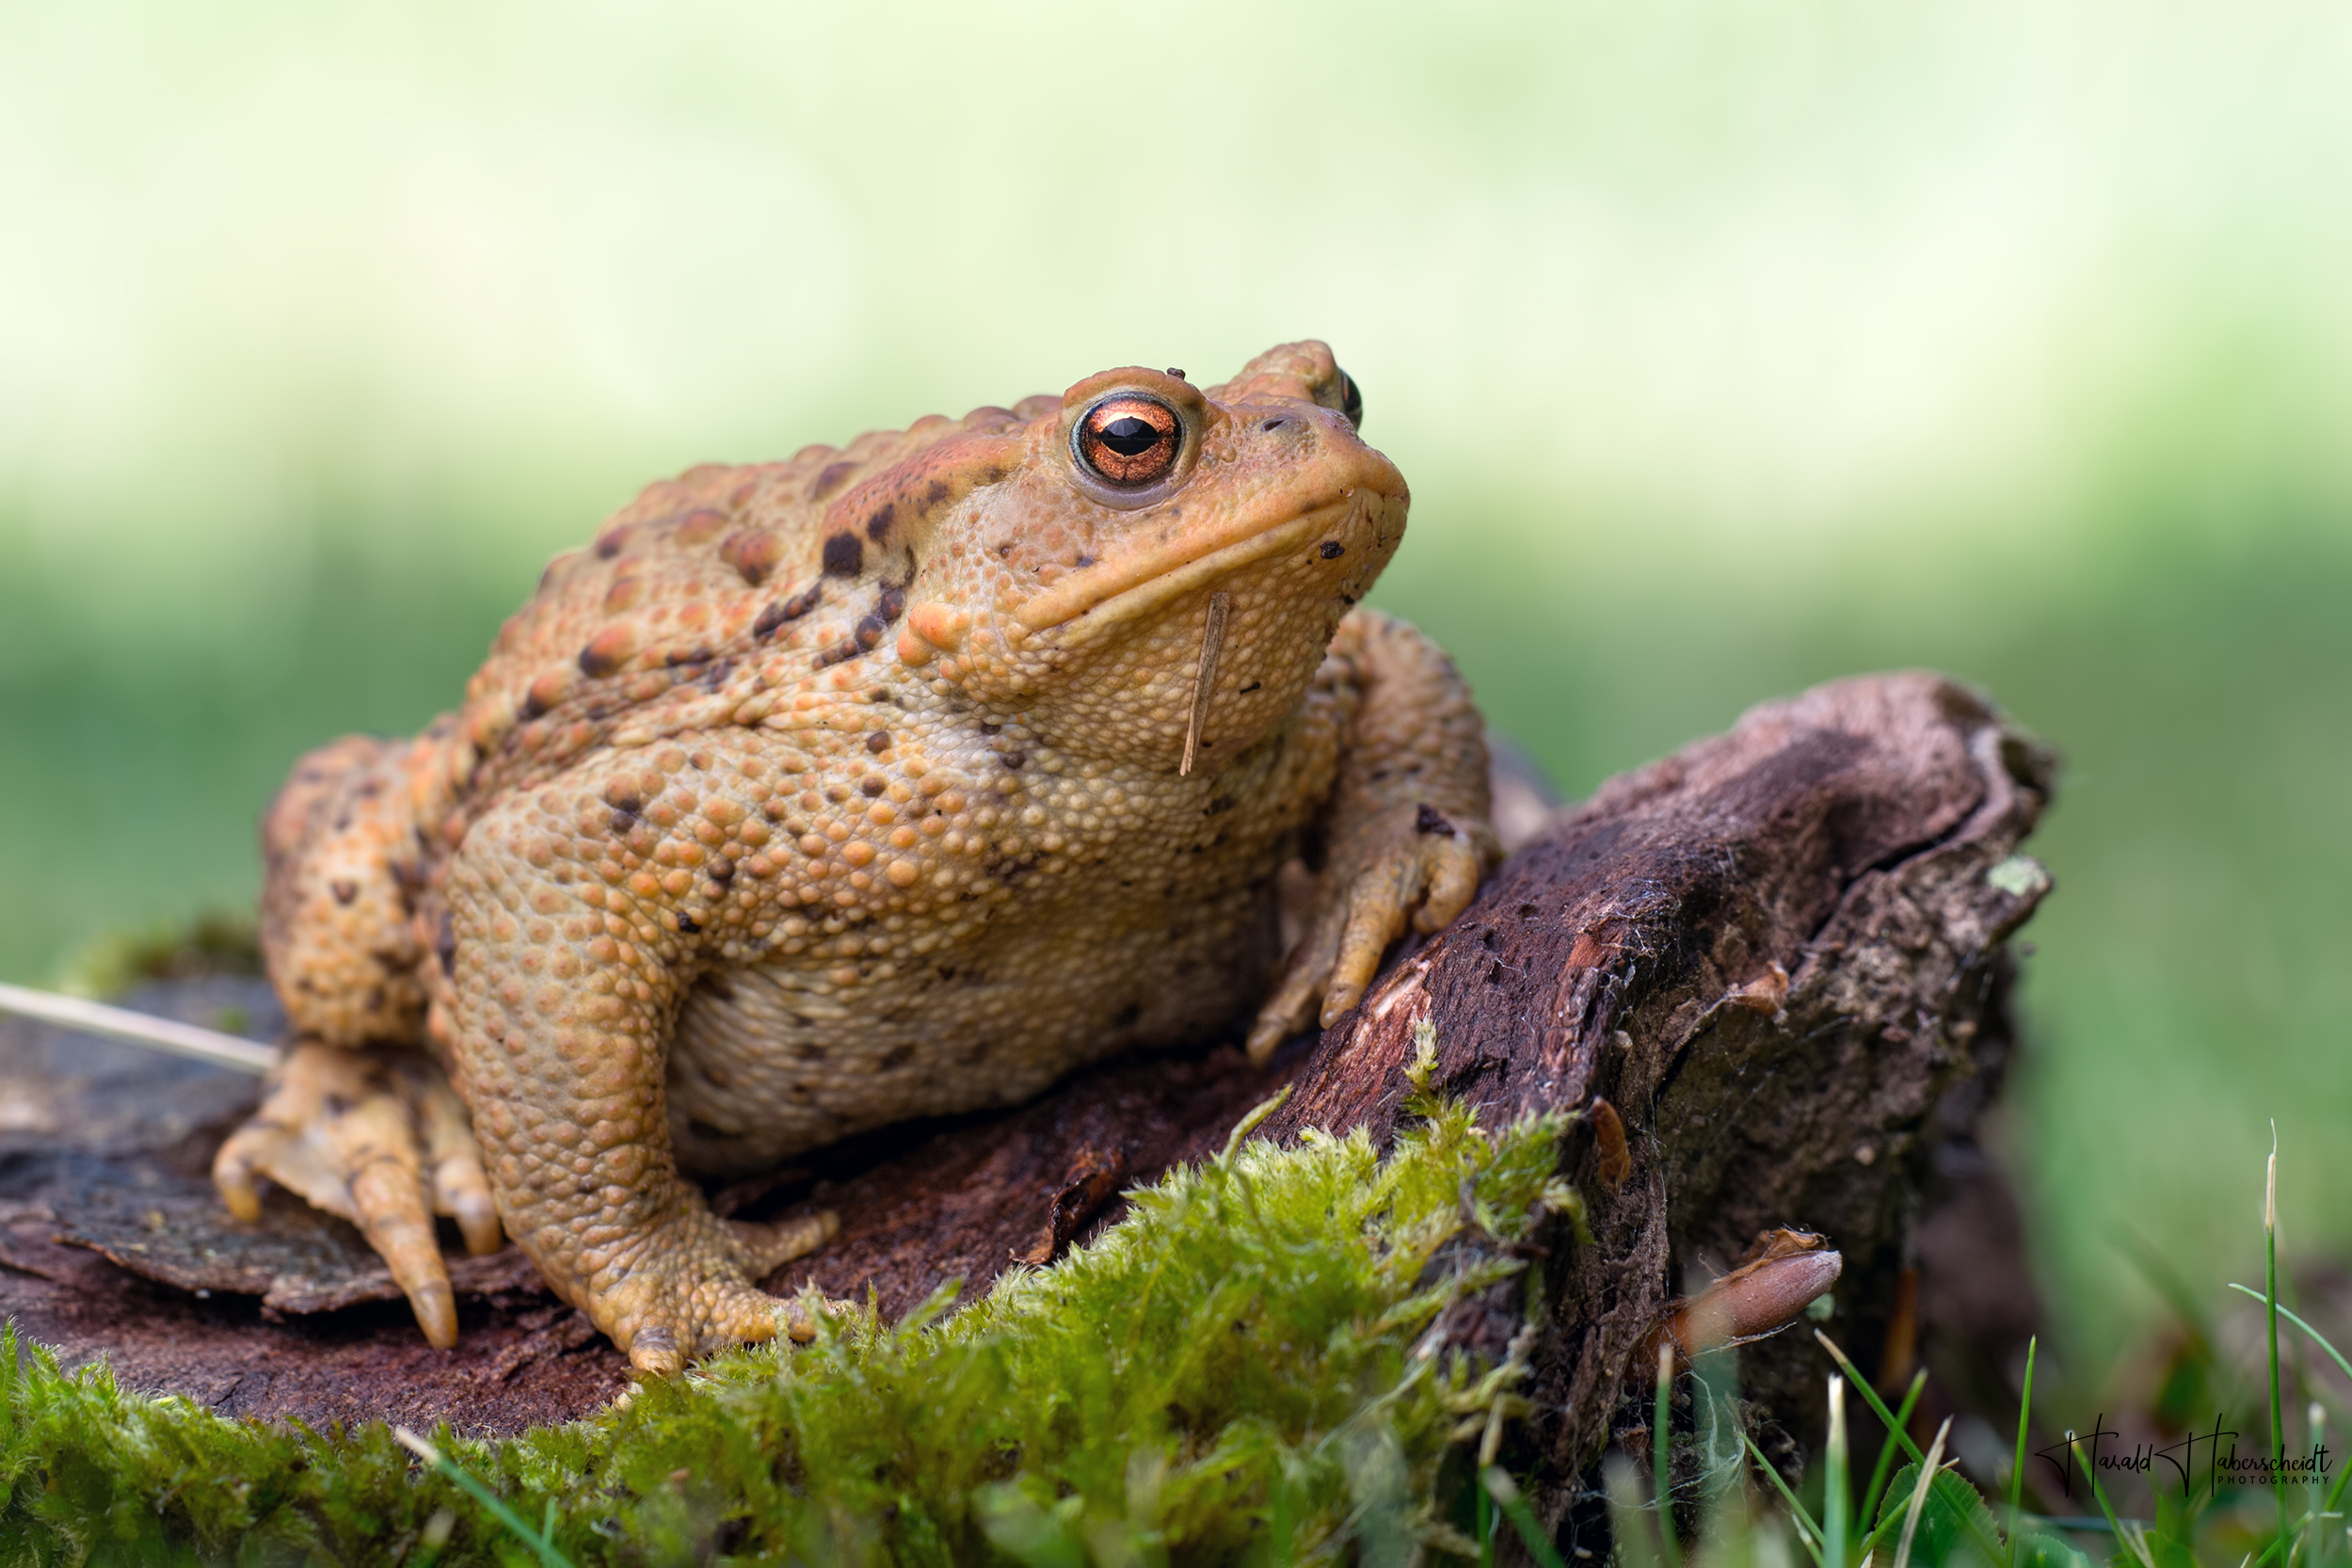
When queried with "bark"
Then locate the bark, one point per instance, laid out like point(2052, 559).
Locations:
point(1773, 964)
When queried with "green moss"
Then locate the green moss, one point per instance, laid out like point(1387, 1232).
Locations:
point(1230, 1373)
point(212, 943)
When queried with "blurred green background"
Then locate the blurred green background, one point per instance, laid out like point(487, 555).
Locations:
point(1728, 347)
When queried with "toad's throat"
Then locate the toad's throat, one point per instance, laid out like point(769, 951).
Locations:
point(1082, 607)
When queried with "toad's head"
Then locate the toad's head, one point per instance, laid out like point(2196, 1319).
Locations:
point(1089, 564)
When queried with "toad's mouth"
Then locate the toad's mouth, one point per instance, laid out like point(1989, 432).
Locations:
point(1085, 606)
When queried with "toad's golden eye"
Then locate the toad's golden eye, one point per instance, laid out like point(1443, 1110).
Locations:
point(1129, 440)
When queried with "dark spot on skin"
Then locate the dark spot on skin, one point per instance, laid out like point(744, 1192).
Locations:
point(692, 656)
point(844, 555)
point(1177, 374)
point(1222, 804)
point(722, 871)
point(621, 798)
point(878, 742)
point(1349, 599)
point(532, 706)
point(344, 892)
point(608, 545)
point(869, 631)
point(877, 527)
point(1331, 549)
point(872, 786)
point(445, 944)
point(1006, 548)
point(338, 1105)
point(988, 729)
point(1426, 820)
point(686, 926)
point(833, 477)
point(1012, 759)
point(623, 822)
point(1083, 561)
point(891, 605)
point(936, 492)
point(897, 1056)
point(788, 610)
point(1251, 687)
point(597, 665)
point(846, 648)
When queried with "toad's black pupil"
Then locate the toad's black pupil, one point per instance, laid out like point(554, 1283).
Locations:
point(1129, 437)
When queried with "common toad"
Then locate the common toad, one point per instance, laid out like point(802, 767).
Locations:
point(888, 782)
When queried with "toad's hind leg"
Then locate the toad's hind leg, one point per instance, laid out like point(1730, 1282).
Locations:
point(356, 1119)
point(582, 914)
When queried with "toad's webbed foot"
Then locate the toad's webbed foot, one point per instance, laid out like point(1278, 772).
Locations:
point(379, 1138)
point(684, 1290)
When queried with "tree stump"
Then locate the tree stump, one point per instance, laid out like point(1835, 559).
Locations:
point(1768, 973)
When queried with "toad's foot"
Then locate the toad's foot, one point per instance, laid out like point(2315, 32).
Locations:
point(381, 1139)
point(1418, 866)
point(684, 1289)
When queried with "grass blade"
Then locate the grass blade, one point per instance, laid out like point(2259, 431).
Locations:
point(1868, 1513)
point(1992, 1549)
point(549, 1556)
point(2017, 1467)
point(1515, 1507)
point(1834, 1480)
point(1807, 1530)
point(1930, 1468)
point(1662, 1453)
point(2335, 1493)
point(2270, 1307)
point(2136, 1546)
point(1877, 1406)
point(2298, 1321)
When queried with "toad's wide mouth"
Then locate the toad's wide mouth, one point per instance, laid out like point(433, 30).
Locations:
point(1085, 606)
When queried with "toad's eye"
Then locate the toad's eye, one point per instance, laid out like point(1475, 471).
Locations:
point(1129, 440)
point(1351, 400)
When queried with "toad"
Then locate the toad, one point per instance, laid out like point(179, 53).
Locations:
point(889, 781)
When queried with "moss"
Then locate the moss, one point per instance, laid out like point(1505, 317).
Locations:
point(215, 943)
point(1230, 1373)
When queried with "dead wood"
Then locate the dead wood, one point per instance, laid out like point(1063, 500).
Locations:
point(1768, 973)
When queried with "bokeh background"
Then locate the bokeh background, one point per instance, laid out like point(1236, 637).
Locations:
point(1728, 347)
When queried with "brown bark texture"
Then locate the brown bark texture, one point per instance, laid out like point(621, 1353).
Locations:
point(1768, 974)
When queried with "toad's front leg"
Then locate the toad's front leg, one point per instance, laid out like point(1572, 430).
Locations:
point(573, 913)
point(1406, 835)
